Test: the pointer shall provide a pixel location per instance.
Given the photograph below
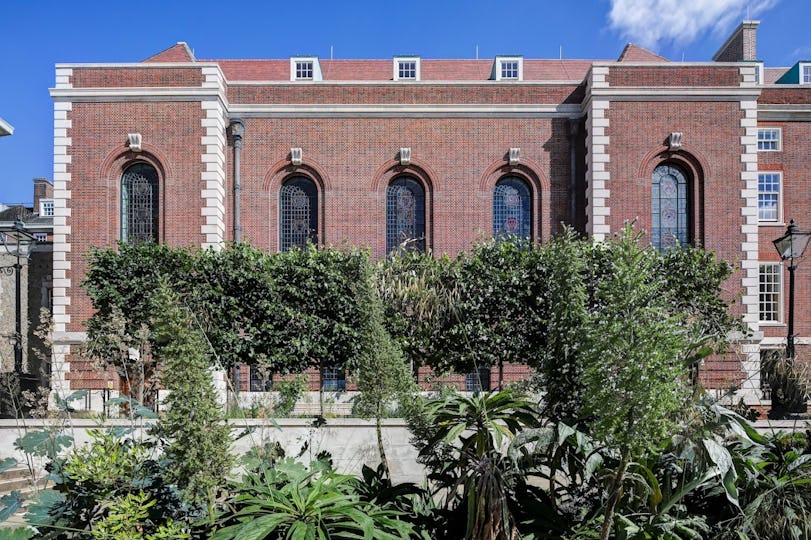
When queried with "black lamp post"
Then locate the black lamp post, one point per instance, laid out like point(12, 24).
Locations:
point(17, 241)
point(791, 247)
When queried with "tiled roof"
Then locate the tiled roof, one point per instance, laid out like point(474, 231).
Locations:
point(381, 70)
point(770, 75)
point(179, 52)
point(16, 212)
point(635, 53)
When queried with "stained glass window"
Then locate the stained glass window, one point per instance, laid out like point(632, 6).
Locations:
point(512, 214)
point(405, 215)
point(669, 210)
point(298, 213)
point(139, 203)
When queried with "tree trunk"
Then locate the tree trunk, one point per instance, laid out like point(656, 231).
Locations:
point(616, 493)
point(380, 448)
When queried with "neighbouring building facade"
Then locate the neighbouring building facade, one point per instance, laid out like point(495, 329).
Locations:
point(35, 287)
point(440, 152)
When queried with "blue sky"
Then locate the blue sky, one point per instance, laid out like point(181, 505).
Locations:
point(36, 34)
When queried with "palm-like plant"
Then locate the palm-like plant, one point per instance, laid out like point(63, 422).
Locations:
point(776, 488)
point(289, 501)
point(479, 478)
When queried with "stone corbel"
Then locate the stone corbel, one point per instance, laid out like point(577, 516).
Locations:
point(515, 156)
point(295, 156)
point(134, 141)
point(405, 156)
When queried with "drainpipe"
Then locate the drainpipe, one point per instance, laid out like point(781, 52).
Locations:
point(237, 129)
point(574, 125)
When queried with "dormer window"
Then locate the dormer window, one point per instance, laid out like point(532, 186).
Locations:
point(805, 73)
point(759, 75)
point(46, 207)
point(305, 68)
point(508, 68)
point(406, 68)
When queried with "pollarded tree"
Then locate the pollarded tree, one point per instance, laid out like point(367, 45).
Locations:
point(122, 284)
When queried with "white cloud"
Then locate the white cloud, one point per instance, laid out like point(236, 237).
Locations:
point(653, 22)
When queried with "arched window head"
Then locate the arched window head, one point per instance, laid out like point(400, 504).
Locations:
point(512, 209)
point(670, 208)
point(298, 213)
point(405, 215)
point(139, 203)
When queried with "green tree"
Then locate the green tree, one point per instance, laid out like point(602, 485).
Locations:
point(634, 374)
point(198, 438)
point(380, 372)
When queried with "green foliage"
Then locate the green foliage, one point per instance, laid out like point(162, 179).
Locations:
point(562, 318)
point(634, 374)
point(290, 501)
point(91, 480)
point(124, 519)
point(775, 488)
point(634, 346)
point(194, 425)
point(290, 391)
point(16, 534)
point(477, 475)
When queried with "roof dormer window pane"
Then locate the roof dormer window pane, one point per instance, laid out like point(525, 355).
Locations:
point(509, 69)
point(407, 70)
point(304, 70)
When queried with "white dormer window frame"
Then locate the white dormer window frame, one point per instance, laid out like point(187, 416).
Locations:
point(508, 68)
point(406, 68)
point(305, 68)
point(759, 73)
point(805, 73)
point(46, 207)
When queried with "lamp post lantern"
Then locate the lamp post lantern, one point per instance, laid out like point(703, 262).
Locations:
point(791, 247)
point(17, 241)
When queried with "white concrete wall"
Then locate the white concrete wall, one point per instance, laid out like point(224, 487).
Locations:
point(352, 442)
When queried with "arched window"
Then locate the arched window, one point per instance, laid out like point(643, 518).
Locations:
point(512, 208)
point(670, 208)
point(139, 203)
point(298, 213)
point(405, 214)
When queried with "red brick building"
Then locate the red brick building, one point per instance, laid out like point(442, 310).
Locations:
point(202, 152)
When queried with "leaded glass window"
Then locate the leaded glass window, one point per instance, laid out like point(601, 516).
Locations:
point(670, 209)
point(405, 215)
point(298, 213)
point(333, 379)
point(139, 203)
point(478, 381)
point(512, 214)
point(261, 380)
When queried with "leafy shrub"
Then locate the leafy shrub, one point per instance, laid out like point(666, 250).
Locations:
point(94, 478)
point(290, 392)
point(290, 501)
